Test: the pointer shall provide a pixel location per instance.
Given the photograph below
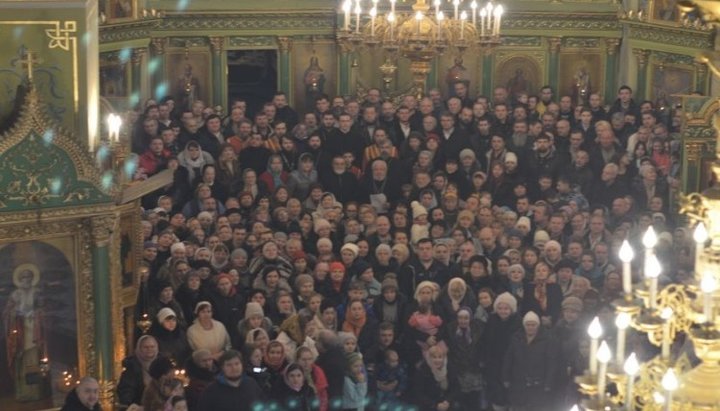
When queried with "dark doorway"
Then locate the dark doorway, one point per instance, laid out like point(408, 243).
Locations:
point(252, 76)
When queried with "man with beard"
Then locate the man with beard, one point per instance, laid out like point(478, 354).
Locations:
point(84, 397)
point(283, 112)
point(211, 137)
point(233, 390)
point(452, 140)
point(344, 138)
point(341, 182)
point(545, 159)
point(255, 155)
point(382, 191)
point(402, 127)
point(368, 123)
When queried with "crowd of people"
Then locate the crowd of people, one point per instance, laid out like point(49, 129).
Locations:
point(444, 254)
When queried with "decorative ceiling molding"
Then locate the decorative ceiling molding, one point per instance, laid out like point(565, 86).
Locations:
point(671, 36)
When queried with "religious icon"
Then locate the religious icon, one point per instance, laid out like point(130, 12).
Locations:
point(188, 87)
point(457, 74)
point(23, 317)
point(121, 9)
point(314, 80)
point(518, 84)
point(581, 86)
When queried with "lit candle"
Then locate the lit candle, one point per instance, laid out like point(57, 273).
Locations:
point(437, 7)
point(456, 3)
point(498, 18)
point(666, 315)
point(652, 271)
point(483, 13)
point(603, 357)
point(347, 6)
point(391, 20)
point(649, 240)
point(622, 322)
point(358, 10)
point(595, 332)
point(114, 122)
point(418, 19)
point(626, 256)
point(473, 6)
point(489, 9)
point(669, 383)
point(700, 235)
point(575, 408)
point(392, 6)
point(708, 284)
point(631, 368)
point(373, 14)
point(463, 17)
point(440, 18)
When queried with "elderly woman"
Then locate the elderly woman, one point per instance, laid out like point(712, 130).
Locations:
point(454, 296)
point(542, 297)
point(501, 326)
point(648, 186)
point(201, 370)
point(383, 262)
point(464, 337)
point(208, 333)
point(136, 372)
point(530, 366)
point(270, 255)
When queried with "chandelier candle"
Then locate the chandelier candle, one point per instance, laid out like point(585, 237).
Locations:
point(666, 315)
point(595, 332)
point(700, 235)
point(626, 256)
point(622, 322)
point(708, 286)
point(631, 368)
point(603, 357)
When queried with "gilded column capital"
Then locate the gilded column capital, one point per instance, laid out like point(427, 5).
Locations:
point(611, 46)
point(642, 56)
point(217, 44)
point(285, 44)
point(158, 44)
point(345, 47)
point(101, 228)
point(137, 56)
point(554, 44)
point(693, 149)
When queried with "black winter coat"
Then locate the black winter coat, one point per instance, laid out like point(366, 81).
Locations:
point(290, 400)
point(72, 403)
point(219, 396)
point(495, 343)
point(131, 385)
point(530, 368)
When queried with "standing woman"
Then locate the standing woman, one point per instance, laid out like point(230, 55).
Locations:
point(208, 333)
point(501, 326)
point(314, 376)
point(542, 297)
point(432, 383)
point(293, 393)
point(464, 334)
point(228, 168)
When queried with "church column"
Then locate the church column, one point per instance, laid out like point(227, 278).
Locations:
point(642, 57)
point(701, 71)
point(554, 48)
point(284, 45)
point(101, 228)
point(344, 69)
point(216, 46)
point(611, 48)
point(137, 58)
point(487, 72)
point(157, 68)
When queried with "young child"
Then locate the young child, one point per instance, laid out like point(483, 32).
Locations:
point(425, 321)
point(420, 228)
point(348, 342)
point(391, 378)
point(355, 387)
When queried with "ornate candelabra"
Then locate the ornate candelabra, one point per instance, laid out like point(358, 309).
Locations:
point(421, 35)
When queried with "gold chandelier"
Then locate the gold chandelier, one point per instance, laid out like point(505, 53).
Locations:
point(664, 383)
point(423, 34)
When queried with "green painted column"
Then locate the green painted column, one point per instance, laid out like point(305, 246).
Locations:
point(218, 79)
point(343, 85)
point(156, 66)
point(487, 67)
point(101, 229)
point(642, 60)
point(138, 55)
point(432, 80)
point(611, 71)
point(285, 78)
point(554, 44)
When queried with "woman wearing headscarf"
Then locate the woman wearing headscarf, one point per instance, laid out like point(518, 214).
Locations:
point(544, 298)
point(453, 296)
point(431, 383)
point(293, 393)
point(464, 337)
point(208, 333)
point(363, 326)
point(297, 331)
point(271, 282)
point(274, 175)
point(227, 303)
point(270, 255)
point(314, 376)
point(220, 260)
point(254, 318)
point(501, 326)
point(303, 177)
point(135, 375)
point(275, 362)
point(201, 370)
point(193, 159)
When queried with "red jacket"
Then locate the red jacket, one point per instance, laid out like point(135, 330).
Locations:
point(266, 178)
point(151, 163)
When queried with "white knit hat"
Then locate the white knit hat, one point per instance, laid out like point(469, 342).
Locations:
point(506, 298)
point(531, 317)
point(418, 209)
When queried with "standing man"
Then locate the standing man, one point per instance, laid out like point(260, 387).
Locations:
point(233, 390)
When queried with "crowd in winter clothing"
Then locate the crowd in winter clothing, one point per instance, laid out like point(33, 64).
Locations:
point(444, 254)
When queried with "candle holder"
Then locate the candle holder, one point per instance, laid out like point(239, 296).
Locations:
point(144, 323)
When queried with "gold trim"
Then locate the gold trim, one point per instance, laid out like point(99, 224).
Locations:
point(60, 38)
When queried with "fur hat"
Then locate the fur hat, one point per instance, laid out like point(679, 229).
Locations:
point(435, 289)
point(164, 313)
point(572, 303)
point(253, 309)
point(511, 157)
point(531, 317)
point(418, 232)
point(506, 298)
point(541, 236)
point(466, 152)
point(352, 247)
point(523, 222)
point(177, 246)
point(418, 209)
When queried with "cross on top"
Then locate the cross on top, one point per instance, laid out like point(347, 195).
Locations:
point(28, 59)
